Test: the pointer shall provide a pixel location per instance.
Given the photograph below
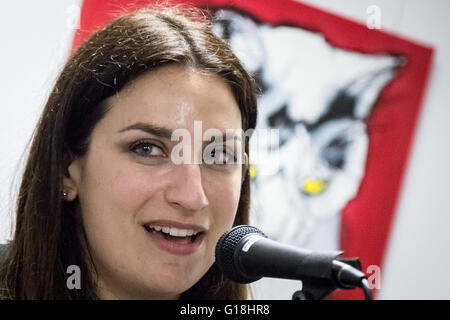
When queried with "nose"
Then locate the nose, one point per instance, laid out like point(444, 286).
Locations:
point(186, 191)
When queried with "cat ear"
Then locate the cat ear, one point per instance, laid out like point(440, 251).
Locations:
point(367, 88)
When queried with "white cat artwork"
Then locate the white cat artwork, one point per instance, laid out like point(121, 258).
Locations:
point(318, 97)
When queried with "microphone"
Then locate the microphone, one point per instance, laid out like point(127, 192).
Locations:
point(245, 254)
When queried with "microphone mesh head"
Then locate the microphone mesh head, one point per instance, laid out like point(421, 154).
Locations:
point(225, 249)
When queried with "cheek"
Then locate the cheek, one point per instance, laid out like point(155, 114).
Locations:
point(224, 197)
point(113, 194)
point(117, 188)
point(131, 188)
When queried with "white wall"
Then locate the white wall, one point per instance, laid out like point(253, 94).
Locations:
point(35, 38)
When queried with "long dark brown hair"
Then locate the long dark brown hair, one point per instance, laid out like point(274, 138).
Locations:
point(49, 235)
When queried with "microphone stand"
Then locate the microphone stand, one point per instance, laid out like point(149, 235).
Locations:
point(314, 289)
point(317, 289)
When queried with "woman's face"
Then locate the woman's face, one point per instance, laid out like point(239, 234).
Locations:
point(132, 194)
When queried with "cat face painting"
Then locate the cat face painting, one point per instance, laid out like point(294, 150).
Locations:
point(318, 97)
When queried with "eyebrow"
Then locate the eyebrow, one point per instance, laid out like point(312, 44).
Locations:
point(162, 131)
point(150, 128)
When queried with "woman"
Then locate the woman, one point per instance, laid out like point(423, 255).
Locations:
point(100, 190)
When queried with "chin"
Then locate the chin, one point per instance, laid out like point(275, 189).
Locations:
point(171, 285)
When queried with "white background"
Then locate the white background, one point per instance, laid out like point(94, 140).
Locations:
point(35, 37)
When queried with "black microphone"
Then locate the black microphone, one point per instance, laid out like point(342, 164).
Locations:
point(245, 254)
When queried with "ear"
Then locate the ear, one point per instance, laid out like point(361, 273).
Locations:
point(373, 84)
point(72, 179)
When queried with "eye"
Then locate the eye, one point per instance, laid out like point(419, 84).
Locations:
point(222, 156)
point(147, 149)
point(335, 152)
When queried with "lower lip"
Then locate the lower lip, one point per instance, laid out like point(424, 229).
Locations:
point(174, 247)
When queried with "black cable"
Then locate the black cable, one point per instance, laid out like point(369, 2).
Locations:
point(366, 289)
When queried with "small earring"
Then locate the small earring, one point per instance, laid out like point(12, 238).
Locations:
point(65, 194)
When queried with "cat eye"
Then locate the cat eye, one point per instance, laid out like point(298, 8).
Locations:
point(334, 153)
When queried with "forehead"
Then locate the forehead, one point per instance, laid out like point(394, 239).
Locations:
point(174, 97)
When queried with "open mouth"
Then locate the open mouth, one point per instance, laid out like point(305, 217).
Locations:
point(174, 234)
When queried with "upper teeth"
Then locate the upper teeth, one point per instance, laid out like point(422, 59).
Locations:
point(175, 232)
